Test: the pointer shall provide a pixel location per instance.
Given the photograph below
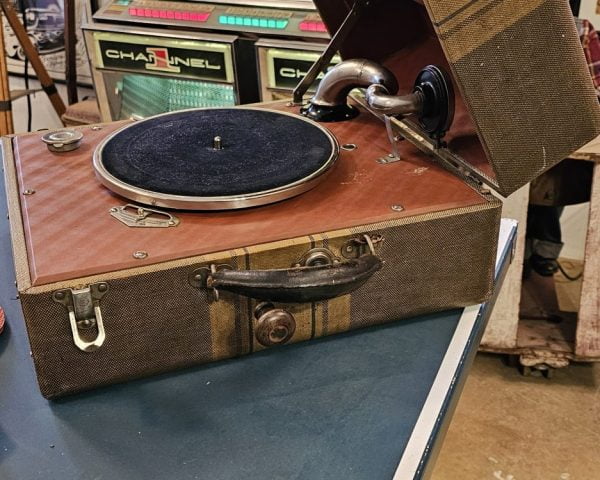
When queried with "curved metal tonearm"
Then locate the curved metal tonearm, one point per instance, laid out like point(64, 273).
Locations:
point(381, 101)
point(432, 98)
point(329, 102)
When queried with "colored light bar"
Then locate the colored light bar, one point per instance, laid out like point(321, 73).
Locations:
point(258, 22)
point(307, 26)
point(176, 14)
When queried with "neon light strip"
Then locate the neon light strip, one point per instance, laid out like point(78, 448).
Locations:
point(176, 14)
point(258, 22)
point(308, 26)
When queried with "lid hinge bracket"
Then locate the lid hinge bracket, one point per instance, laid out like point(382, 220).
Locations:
point(433, 147)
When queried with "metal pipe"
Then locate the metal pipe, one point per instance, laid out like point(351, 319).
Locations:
point(350, 74)
point(381, 101)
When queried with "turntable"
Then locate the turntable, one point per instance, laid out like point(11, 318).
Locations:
point(214, 159)
point(201, 235)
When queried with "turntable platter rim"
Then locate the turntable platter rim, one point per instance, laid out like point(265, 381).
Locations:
point(226, 202)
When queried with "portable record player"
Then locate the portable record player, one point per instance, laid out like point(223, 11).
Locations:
point(199, 235)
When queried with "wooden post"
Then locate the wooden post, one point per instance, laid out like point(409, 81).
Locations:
point(587, 338)
point(6, 120)
point(30, 52)
point(587, 343)
point(501, 332)
point(70, 51)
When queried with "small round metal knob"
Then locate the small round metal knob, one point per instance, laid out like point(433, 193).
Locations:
point(63, 140)
point(274, 326)
point(317, 257)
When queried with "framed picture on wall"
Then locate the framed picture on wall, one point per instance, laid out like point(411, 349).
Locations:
point(44, 20)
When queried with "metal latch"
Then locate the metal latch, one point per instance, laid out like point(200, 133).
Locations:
point(136, 216)
point(83, 306)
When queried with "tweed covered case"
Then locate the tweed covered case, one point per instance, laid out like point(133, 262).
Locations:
point(428, 219)
point(438, 254)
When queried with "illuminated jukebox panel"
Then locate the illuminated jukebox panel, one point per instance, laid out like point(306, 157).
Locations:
point(139, 72)
point(283, 18)
point(282, 64)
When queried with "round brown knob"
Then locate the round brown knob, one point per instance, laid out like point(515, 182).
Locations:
point(274, 326)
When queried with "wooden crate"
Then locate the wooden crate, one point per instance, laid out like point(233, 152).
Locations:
point(541, 344)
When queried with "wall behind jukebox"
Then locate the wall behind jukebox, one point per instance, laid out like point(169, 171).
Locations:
point(45, 27)
point(590, 10)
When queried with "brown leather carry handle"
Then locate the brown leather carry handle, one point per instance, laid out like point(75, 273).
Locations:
point(298, 284)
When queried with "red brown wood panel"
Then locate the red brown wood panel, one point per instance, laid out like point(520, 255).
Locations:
point(384, 26)
point(71, 234)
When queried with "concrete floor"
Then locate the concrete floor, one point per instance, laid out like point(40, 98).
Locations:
point(510, 427)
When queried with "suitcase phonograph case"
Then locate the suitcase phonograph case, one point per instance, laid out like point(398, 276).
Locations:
point(150, 245)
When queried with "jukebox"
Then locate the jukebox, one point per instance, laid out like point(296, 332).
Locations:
point(145, 73)
point(282, 64)
point(155, 56)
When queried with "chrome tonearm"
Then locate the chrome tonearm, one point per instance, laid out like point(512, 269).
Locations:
point(432, 98)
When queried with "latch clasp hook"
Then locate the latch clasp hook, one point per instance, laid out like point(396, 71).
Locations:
point(83, 306)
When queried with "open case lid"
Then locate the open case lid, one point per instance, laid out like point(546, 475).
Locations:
point(524, 95)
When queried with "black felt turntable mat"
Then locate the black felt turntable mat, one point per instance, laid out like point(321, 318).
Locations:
point(174, 153)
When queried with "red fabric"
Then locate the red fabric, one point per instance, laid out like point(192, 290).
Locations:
point(591, 47)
